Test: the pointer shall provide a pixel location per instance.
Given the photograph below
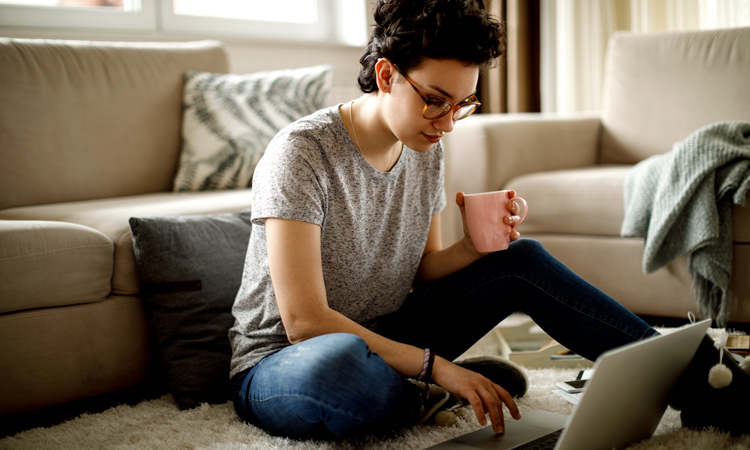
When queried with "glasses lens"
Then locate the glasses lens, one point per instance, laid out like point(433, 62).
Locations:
point(465, 111)
point(436, 110)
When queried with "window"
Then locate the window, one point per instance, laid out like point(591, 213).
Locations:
point(264, 19)
point(79, 14)
point(342, 21)
point(296, 11)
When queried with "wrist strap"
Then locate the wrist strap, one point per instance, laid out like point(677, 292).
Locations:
point(431, 362)
point(426, 364)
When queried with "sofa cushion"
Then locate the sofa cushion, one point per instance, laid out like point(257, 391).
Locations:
point(46, 264)
point(660, 87)
point(190, 269)
point(110, 216)
point(84, 120)
point(582, 201)
point(55, 355)
point(229, 120)
point(589, 201)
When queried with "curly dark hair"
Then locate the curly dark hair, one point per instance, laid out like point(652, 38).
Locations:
point(408, 31)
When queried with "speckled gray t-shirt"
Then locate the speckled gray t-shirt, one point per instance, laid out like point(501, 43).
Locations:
point(374, 227)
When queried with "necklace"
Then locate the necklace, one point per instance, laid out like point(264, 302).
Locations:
point(356, 139)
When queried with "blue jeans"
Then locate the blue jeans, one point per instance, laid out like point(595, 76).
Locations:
point(334, 385)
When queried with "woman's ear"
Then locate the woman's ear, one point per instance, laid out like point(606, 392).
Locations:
point(384, 72)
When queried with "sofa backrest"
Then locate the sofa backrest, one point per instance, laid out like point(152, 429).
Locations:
point(84, 120)
point(660, 87)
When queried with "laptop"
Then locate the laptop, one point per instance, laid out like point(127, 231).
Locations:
point(623, 403)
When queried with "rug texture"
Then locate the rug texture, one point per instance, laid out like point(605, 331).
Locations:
point(159, 424)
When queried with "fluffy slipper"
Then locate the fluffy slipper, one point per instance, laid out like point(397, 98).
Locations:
point(500, 371)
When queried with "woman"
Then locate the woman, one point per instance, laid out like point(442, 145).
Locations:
point(329, 334)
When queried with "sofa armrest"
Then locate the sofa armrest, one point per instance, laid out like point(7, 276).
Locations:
point(486, 151)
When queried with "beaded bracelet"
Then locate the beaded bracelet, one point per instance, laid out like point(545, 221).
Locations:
point(426, 365)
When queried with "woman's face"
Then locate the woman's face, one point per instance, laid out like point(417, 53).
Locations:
point(446, 80)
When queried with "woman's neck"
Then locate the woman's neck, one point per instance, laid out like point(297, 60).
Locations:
point(371, 134)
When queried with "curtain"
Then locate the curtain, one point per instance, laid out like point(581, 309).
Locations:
point(513, 86)
point(575, 33)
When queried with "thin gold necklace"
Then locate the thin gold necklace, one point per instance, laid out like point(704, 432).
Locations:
point(356, 139)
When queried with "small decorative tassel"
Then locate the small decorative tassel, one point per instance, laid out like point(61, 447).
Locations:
point(720, 376)
point(445, 418)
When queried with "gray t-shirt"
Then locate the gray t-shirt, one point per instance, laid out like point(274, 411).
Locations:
point(374, 227)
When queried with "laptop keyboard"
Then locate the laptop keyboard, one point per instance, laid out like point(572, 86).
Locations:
point(545, 442)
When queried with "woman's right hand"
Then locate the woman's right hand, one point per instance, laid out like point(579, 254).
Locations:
point(484, 395)
point(512, 220)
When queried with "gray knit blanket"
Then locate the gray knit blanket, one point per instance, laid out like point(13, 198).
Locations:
point(681, 203)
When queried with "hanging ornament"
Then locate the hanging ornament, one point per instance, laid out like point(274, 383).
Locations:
point(720, 376)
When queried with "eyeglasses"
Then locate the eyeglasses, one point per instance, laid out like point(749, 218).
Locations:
point(435, 109)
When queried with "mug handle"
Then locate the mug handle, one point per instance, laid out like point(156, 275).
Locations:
point(525, 210)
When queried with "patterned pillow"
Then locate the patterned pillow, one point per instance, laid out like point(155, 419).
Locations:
point(229, 119)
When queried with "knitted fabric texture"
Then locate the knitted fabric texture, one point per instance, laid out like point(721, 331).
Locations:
point(681, 202)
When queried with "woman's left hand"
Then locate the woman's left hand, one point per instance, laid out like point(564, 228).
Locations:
point(511, 220)
point(484, 396)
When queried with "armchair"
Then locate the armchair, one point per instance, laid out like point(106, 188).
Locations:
point(659, 88)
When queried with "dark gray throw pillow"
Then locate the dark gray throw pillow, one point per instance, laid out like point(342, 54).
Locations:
point(190, 269)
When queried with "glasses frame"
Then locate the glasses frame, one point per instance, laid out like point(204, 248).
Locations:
point(473, 100)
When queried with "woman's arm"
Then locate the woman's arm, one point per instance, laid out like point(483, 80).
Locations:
point(294, 257)
point(438, 262)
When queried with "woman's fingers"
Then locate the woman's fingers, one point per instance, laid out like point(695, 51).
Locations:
point(484, 396)
point(488, 398)
point(460, 199)
point(476, 402)
point(512, 207)
point(495, 407)
point(506, 398)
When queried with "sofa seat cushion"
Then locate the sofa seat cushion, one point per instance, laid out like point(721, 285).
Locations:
point(110, 216)
point(55, 355)
point(584, 201)
point(46, 264)
point(589, 201)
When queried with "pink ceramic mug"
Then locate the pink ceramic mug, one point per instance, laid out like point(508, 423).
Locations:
point(485, 213)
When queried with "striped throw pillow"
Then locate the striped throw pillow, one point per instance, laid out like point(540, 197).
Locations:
point(229, 120)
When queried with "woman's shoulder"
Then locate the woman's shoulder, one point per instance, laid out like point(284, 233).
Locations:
point(306, 139)
point(323, 122)
point(319, 128)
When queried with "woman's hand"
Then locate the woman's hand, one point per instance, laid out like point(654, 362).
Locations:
point(511, 220)
point(484, 395)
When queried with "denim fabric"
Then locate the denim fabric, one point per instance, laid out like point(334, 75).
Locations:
point(334, 384)
point(451, 314)
point(328, 385)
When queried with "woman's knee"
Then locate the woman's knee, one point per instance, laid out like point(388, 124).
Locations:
point(336, 347)
point(527, 245)
point(335, 353)
point(520, 250)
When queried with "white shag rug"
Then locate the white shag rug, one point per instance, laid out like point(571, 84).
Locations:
point(159, 424)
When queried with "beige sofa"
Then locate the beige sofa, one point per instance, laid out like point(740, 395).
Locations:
point(89, 136)
point(659, 88)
